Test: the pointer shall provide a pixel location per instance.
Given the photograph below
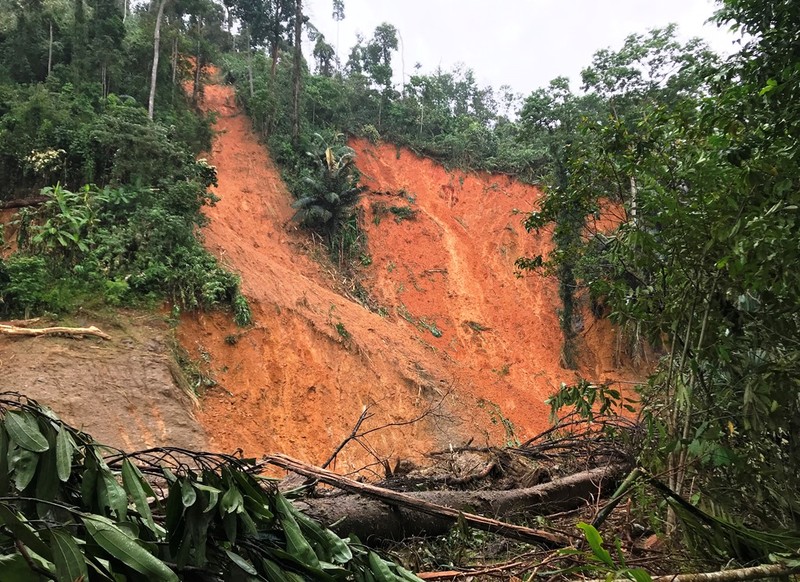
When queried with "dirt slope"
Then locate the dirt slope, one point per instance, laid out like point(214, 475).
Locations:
point(297, 380)
point(120, 391)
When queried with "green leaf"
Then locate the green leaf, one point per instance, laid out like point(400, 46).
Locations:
point(232, 501)
point(133, 481)
point(64, 451)
point(335, 547)
point(188, 494)
point(213, 495)
point(296, 544)
point(380, 569)
point(242, 563)
point(15, 569)
point(46, 482)
point(4, 469)
point(407, 575)
point(24, 430)
point(23, 463)
point(68, 558)
point(596, 543)
point(23, 532)
point(114, 541)
point(111, 494)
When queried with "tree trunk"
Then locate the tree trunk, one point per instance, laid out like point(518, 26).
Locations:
point(388, 514)
point(50, 51)
point(154, 73)
point(174, 60)
point(198, 67)
point(250, 64)
point(298, 55)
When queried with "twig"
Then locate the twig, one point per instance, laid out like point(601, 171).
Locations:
point(365, 415)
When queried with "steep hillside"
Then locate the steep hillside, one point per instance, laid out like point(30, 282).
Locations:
point(457, 337)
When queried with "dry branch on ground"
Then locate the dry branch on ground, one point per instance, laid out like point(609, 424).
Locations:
point(75, 332)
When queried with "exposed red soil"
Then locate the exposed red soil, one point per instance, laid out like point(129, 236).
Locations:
point(297, 380)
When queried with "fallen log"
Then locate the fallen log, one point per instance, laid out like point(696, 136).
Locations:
point(375, 512)
point(752, 573)
point(68, 331)
point(23, 202)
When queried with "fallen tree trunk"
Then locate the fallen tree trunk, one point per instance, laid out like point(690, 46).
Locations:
point(23, 202)
point(68, 331)
point(385, 514)
point(752, 573)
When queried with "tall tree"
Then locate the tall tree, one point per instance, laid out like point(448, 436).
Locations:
point(297, 71)
point(156, 50)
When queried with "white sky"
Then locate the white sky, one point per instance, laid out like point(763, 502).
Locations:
point(521, 43)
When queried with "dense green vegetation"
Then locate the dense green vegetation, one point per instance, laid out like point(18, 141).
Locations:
point(124, 192)
point(696, 155)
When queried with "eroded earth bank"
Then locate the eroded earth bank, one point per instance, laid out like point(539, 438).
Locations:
point(439, 327)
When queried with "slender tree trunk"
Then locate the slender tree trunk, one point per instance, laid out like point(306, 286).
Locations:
point(250, 64)
point(174, 61)
point(50, 51)
point(298, 55)
point(154, 73)
point(274, 57)
point(198, 67)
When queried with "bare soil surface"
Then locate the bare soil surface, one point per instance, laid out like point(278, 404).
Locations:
point(455, 329)
point(122, 391)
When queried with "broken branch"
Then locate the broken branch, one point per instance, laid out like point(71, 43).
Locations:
point(68, 331)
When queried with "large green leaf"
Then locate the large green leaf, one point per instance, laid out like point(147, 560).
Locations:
point(188, 494)
point(23, 463)
point(64, 451)
point(596, 543)
point(24, 430)
point(46, 481)
point(4, 469)
point(121, 547)
point(296, 544)
point(23, 532)
point(111, 494)
point(68, 558)
point(15, 569)
point(134, 484)
point(335, 548)
point(380, 569)
point(242, 563)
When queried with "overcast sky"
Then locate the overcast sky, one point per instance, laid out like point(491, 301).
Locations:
point(521, 43)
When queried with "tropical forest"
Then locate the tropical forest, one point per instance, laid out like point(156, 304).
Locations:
point(275, 309)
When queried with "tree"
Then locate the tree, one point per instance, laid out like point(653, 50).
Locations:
point(698, 155)
point(296, 71)
point(377, 55)
point(325, 56)
point(156, 49)
point(331, 191)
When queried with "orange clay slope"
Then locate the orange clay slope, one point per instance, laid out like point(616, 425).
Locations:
point(298, 379)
